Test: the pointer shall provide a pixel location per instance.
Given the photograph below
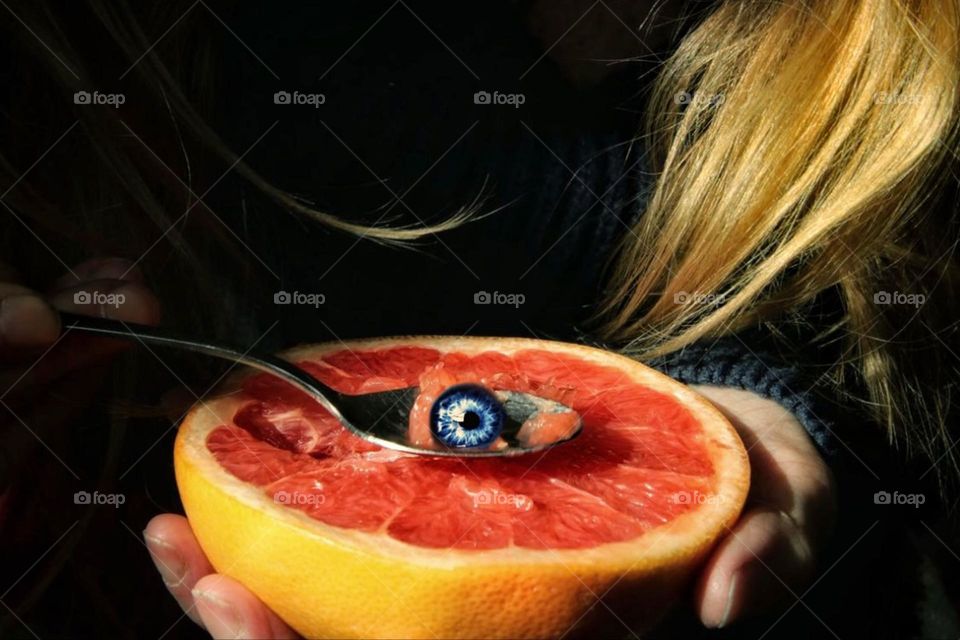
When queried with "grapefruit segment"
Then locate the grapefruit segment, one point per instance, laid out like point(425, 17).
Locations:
point(630, 506)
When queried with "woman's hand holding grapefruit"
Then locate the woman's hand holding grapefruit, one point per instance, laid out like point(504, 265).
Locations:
point(769, 553)
point(773, 547)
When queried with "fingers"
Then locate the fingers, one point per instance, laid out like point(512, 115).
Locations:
point(769, 556)
point(117, 299)
point(106, 287)
point(100, 269)
point(27, 321)
point(178, 557)
point(763, 562)
point(221, 605)
point(229, 610)
point(131, 302)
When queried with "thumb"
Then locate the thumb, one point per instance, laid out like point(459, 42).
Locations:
point(760, 564)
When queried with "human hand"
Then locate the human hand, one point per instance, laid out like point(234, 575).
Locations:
point(221, 605)
point(45, 378)
point(789, 515)
point(787, 518)
point(30, 326)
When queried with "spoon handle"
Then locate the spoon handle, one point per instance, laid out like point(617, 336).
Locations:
point(151, 335)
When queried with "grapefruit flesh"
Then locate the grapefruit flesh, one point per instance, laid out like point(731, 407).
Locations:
point(622, 514)
point(545, 427)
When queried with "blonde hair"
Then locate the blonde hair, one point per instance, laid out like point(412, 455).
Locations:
point(808, 139)
point(796, 145)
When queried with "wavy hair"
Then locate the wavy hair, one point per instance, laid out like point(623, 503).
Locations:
point(806, 156)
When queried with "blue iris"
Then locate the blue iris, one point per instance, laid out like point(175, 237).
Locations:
point(466, 415)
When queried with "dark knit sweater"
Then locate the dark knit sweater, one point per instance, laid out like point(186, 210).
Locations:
point(730, 362)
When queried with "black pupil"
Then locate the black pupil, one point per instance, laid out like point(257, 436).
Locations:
point(470, 420)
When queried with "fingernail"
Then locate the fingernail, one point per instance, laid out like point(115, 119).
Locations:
point(172, 568)
point(223, 621)
point(100, 269)
point(111, 269)
point(108, 269)
point(731, 591)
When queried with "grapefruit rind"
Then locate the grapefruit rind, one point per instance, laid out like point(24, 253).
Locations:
point(331, 581)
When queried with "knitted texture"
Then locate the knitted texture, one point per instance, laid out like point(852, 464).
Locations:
point(729, 362)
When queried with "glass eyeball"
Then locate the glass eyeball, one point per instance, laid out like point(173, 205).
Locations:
point(466, 416)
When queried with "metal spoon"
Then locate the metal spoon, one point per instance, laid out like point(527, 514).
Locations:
point(381, 417)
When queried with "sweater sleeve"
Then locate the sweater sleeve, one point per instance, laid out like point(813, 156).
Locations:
point(731, 361)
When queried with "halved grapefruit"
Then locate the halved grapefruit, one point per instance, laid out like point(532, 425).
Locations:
point(344, 539)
